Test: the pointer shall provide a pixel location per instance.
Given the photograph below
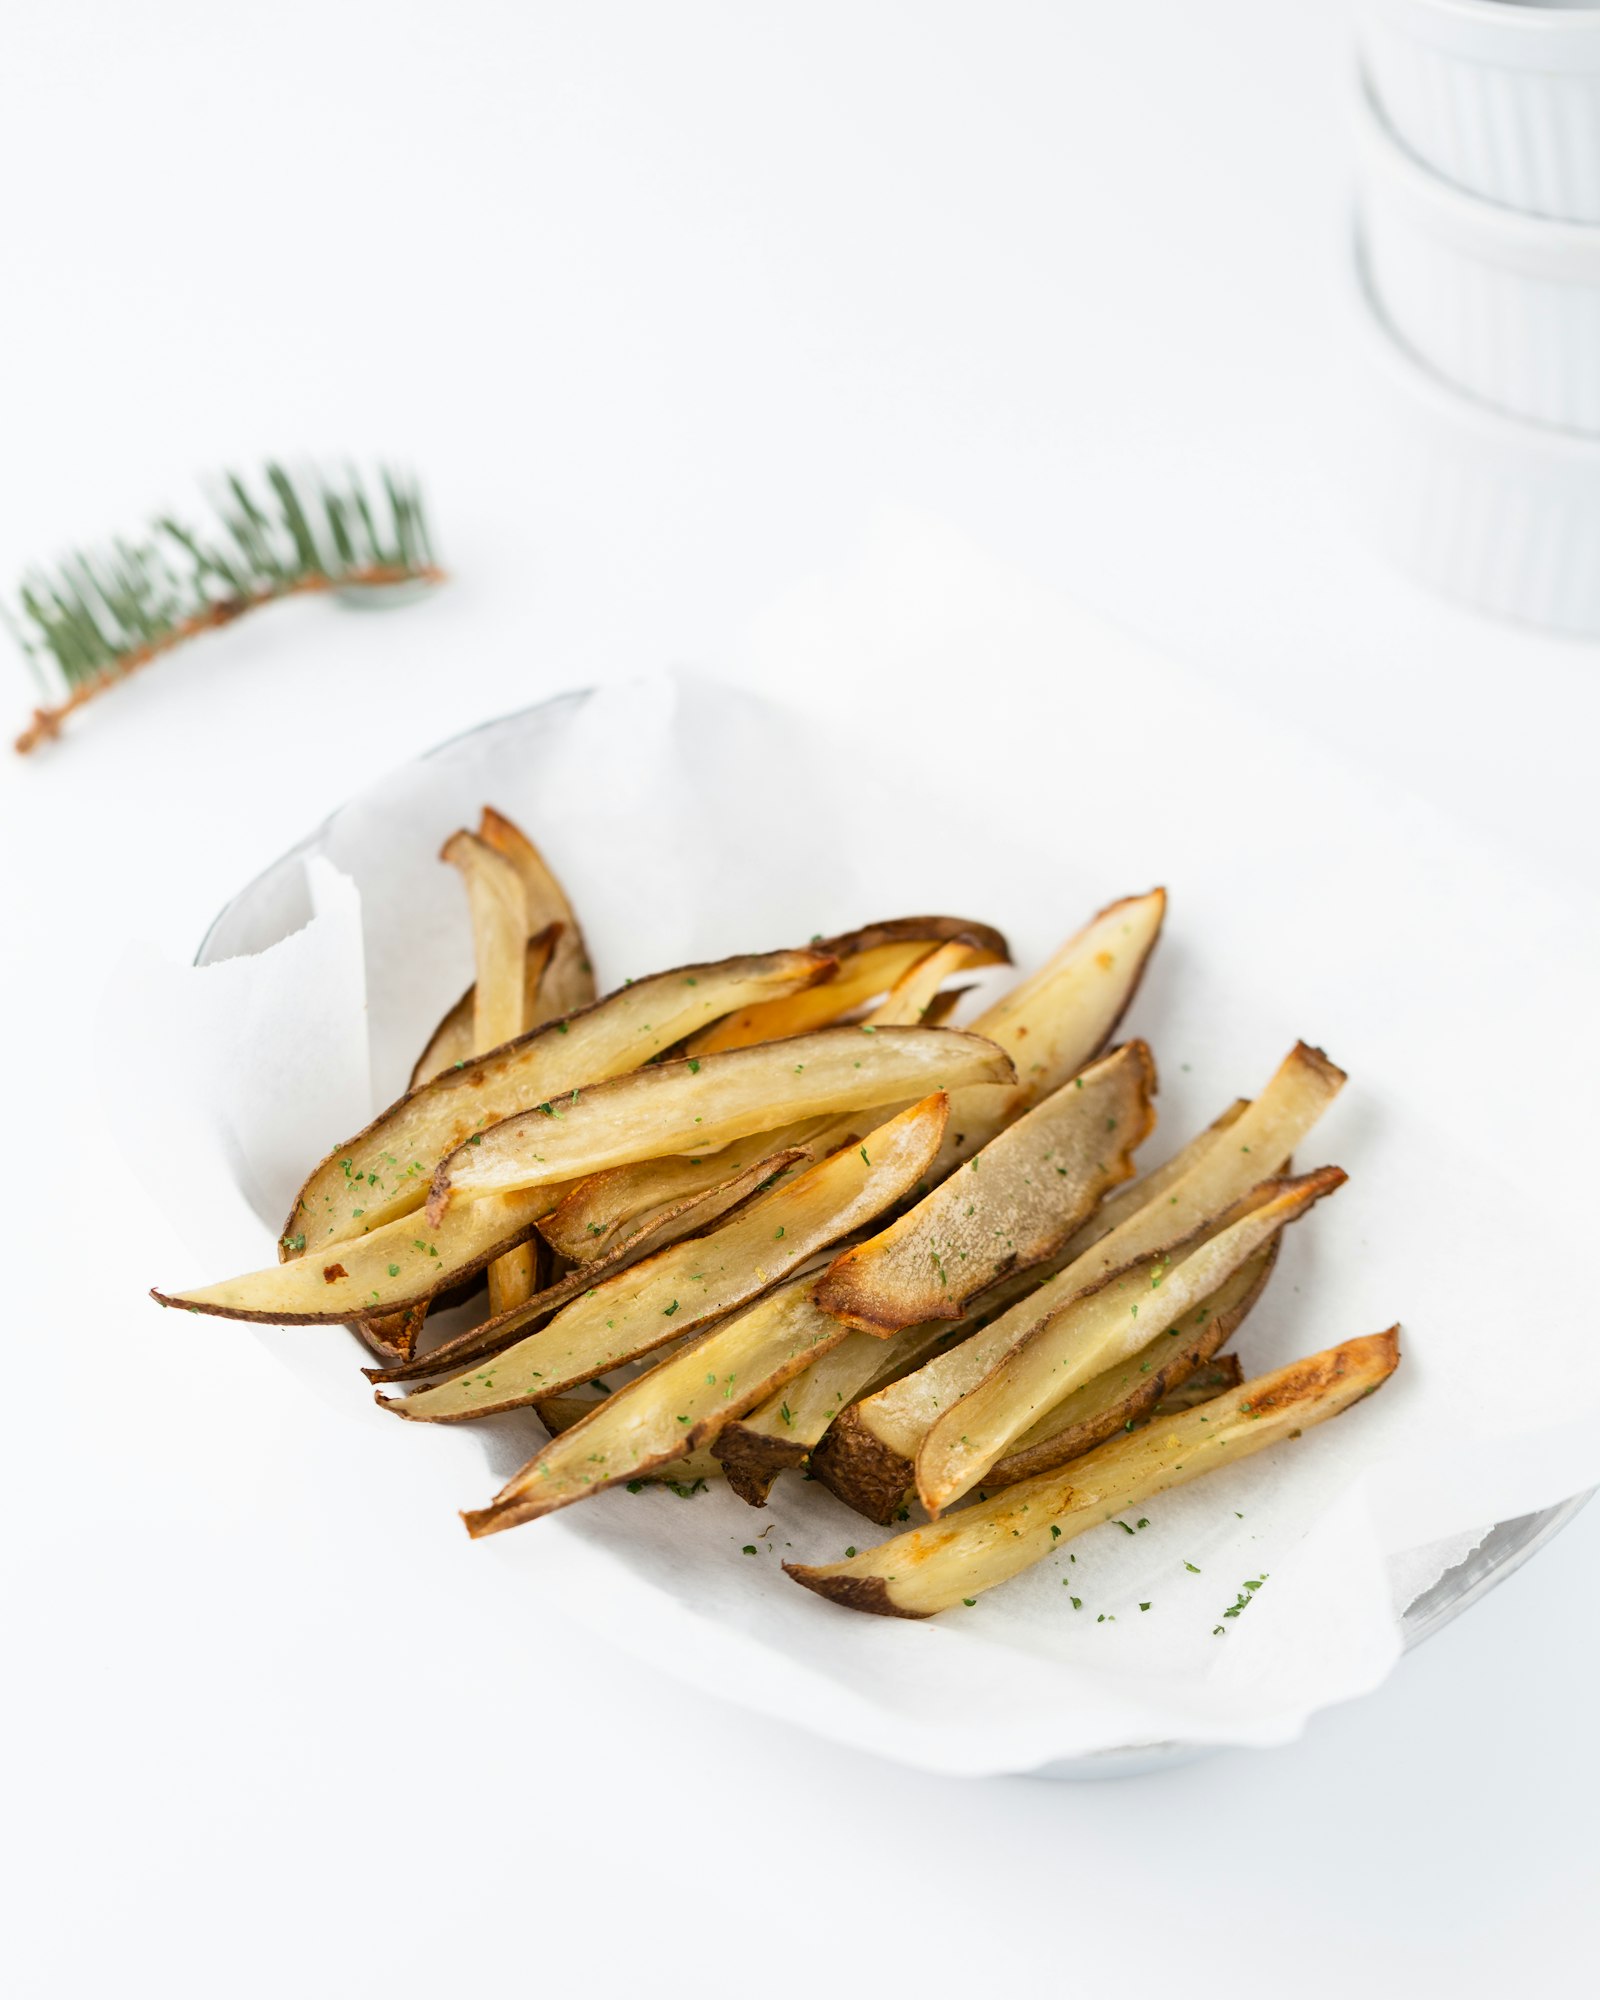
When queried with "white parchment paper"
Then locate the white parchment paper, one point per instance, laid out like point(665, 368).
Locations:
point(688, 820)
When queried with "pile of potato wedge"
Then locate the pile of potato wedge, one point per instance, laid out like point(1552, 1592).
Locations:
point(777, 1214)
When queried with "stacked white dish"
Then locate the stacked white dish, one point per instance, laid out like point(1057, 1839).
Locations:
point(1479, 254)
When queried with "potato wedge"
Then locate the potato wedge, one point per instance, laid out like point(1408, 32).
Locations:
point(499, 911)
point(1063, 1016)
point(450, 1046)
point(697, 1102)
point(780, 1432)
point(871, 961)
point(868, 1454)
point(602, 1210)
point(953, 1562)
point(570, 983)
point(1125, 1395)
point(686, 1218)
point(681, 1289)
point(401, 1265)
point(1017, 1203)
point(910, 1002)
point(600, 1206)
point(686, 1476)
point(384, 1171)
point(1098, 1328)
point(393, 1337)
point(676, 1407)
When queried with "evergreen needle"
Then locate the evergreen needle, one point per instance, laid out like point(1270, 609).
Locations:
point(103, 612)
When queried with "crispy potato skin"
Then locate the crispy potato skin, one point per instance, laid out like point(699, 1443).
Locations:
point(393, 1336)
point(753, 1461)
point(861, 1470)
point(853, 1593)
point(920, 930)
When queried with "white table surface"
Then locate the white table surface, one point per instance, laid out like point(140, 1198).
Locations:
point(666, 300)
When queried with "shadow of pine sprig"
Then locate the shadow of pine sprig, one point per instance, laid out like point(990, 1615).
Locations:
point(100, 613)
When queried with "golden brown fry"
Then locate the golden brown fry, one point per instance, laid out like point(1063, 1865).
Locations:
point(1058, 1020)
point(1095, 1330)
point(680, 1107)
point(1125, 1395)
point(682, 1289)
point(867, 1456)
point(954, 1561)
point(909, 1003)
point(403, 1264)
point(499, 911)
point(1017, 1202)
point(384, 1171)
point(450, 1046)
point(570, 983)
point(676, 1407)
point(686, 1475)
point(670, 1225)
point(781, 1432)
point(871, 961)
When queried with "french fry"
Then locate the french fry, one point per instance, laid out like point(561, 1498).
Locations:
point(685, 1475)
point(780, 1432)
point(383, 1172)
point(677, 1407)
point(1017, 1203)
point(1058, 1020)
point(451, 1045)
point(954, 1561)
point(601, 1205)
point(695, 1102)
point(1098, 1328)
point(868, 1454)
point(570, 983)
point(870, 961)
point(684, 1288)
point(400, 1265)
point(499, 911)
point(1124, 1395)
point(687, 1218)
point(602, 1210)
point(909, 1001)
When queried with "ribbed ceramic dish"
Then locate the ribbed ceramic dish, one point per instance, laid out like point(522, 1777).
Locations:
point(1504, 306)
point(1497, 513)
point(1500, 98)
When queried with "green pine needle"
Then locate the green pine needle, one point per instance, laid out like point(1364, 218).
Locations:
point(103, 612)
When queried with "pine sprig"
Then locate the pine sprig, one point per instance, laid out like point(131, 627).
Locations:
point(101, 613)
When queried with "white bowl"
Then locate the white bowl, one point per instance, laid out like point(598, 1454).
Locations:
point(1505, 306)
point(1497, 513)
point(1500, 98)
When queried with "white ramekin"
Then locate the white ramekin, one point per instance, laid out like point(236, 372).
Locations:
point(1501, 98)
point(1505, 306)
point(1497, 513)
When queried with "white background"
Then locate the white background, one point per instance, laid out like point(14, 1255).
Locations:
point(666, 300)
